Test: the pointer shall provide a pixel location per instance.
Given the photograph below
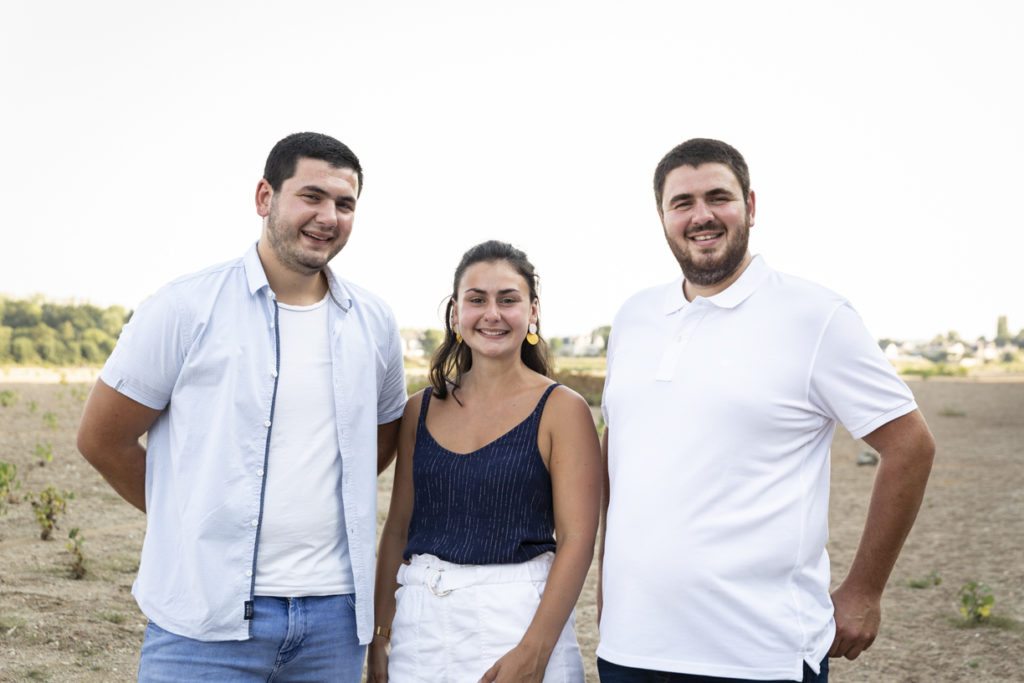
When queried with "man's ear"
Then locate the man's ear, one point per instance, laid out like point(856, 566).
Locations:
point(264, 195)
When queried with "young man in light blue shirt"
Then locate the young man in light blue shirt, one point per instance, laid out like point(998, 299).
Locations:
point(271, 392)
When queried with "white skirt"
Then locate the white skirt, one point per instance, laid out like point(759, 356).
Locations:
point(453, 622)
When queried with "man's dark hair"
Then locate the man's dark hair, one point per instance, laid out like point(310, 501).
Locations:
point(699, 151)
point(285, 155)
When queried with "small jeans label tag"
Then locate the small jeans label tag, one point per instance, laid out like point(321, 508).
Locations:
point(248, 609)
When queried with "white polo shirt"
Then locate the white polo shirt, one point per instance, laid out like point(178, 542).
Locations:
point(721, 412)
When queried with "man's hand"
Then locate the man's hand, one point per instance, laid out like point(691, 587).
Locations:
point(858, 616)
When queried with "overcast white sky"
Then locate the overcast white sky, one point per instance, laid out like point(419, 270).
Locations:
point(884, 141)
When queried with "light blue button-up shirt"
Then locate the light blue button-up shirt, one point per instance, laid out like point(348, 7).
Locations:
point(204, 350)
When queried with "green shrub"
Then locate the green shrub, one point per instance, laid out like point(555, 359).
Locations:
point(8, 485)
point(47, 507)
point(74, 546)
point(44, 453)
point(976, 602)
point(933, 579)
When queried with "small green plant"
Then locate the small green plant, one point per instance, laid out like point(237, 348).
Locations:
point(80, 393)
point(976, 602)
point(44, 453)
point(50, 420)
point(112, 617)
point(932, 579)
point(952, 412)
point(8, 398)
point(47, 507)
point(74, 546)
point(8, 485)
point(32, 406)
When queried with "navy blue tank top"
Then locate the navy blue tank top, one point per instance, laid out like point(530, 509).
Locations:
point(491, 506)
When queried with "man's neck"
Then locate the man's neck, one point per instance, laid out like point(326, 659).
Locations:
point(290, 287)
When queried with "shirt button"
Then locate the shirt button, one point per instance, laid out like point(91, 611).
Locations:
point(248, 572)
point(273, 373)
point(255, 522)
point(267, 423)
point(259, 473)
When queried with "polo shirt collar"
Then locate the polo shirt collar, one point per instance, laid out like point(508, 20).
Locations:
point(735, 294)
point(256, 278)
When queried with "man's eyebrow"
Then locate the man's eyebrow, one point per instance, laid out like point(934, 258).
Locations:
point(714, 192)
point(477, 290)
point(321, 191)
point(680, 197)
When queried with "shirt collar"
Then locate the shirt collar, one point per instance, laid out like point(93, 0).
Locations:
point(257, 279)
point(731, 297)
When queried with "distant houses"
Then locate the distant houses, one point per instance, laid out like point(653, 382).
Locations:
point(948, 350)
point(953, 351)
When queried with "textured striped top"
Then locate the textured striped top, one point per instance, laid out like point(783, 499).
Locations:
point(491, 506)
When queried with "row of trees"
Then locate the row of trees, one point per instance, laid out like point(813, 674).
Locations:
point(1003, 334)
point(34, 331)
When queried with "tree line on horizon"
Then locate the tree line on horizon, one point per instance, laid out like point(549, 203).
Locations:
point(34, 331)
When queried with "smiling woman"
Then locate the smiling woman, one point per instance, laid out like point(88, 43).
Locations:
point(494, 508)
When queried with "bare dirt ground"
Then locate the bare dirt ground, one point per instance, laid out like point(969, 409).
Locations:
point(56, 628)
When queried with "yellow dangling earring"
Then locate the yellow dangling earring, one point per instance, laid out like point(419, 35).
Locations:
point(458, 337)
point(531, 337)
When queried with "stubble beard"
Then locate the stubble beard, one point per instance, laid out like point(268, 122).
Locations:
point(284, 243)
point(706, 274)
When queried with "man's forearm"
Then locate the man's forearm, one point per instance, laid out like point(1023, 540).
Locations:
point(906, 454)
point(125, 471)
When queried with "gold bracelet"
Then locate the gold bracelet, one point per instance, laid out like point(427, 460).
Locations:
point(382, 631)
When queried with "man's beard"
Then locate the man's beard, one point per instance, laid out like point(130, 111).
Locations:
point(705, 274)
point(284, 243)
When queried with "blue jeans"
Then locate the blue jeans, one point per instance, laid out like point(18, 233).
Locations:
point(293, 639)
point(614, 673)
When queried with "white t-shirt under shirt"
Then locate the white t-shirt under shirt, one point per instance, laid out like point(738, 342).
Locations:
point(303, 549)
point(721, 412)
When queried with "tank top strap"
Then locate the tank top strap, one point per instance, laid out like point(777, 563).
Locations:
point(543, 399)
point(424, 404)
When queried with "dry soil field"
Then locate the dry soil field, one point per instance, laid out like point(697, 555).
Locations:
point(56, 628)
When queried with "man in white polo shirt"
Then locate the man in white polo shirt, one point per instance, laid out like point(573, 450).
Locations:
point(723, 391)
